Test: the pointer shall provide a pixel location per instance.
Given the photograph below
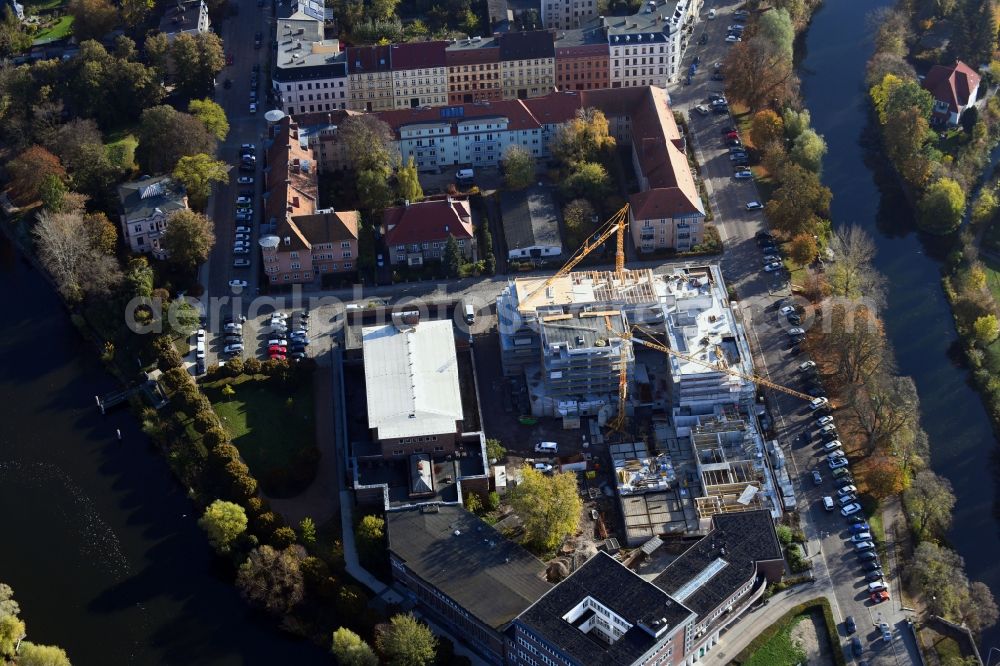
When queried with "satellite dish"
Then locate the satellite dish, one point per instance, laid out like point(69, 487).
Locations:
point(274, 116)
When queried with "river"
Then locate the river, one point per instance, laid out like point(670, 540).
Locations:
point(917, 317)
point(99, 541)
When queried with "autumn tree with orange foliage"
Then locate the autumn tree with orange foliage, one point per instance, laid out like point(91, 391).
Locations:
point(884, 478)
point(29, 171)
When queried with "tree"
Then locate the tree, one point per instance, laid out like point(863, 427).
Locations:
point(980, 611)
point(985, 206)
point(102, 232)
point(808, 150)
point(495, 450)
point(888, 410)
point(157, 48)
point(8, 605)
point(368, 141)
point(940, 209)
point(803, 249)
point(929, 501)
point(197, 173)
point(797, 204)
point(893, 95)
point(370, 536)
point(29, 172)
point(852, 273)
point(92, 19)
point(212, 115)
point(65, 250)
point(587, 180)
point(549, 507)
point(30, 654)
point(228, 391)
point(759, 72)
point(795, 122)
point(582, 139)
point(976, 34)
point(283, 537)
point(939, 574)
point(884, 478)
point(350, 650)
point(452, 257)
point(223, 522)
point(188, 239)
point(383, 9)
point(578, 216)
point(408, 182)
point(11, 631)
point(986, 329)
point(406, 642)
point(166, 135)
point(775, 27)
point(766, 128)
point(14, 39)
point(904, 141)
point(307, 531)
point(134, 12)
point(373, 188)
point(272, 579)
point(194, 62)
point(855, 343)
point(518, 167)
point(52, 193)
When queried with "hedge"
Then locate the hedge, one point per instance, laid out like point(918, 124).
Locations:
point(806, 606)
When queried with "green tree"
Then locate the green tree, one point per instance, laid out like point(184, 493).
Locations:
point(495, 450)
point(759, 72)
point(578, 216)
point(894, 94)
point(30, 654)
point(11, 631)
point(373, 189)
point(940, 210)
point(368, 141)
point(272, 579)
point(452, 257)
point(134, 12)
point(383, 9)
point(582, 139)
point(223, 522)
point(797, 204)
point(808, 150)
point(228, 391)
point(212, 115)
point(775, 27)
point(8, 605)
point(929, 501)
point(986, 328)
point(549, 506)
point(14, 39)
point(52, 192)
point(166, 135)
point(370, 536)
point(157, 48)
point(803, 249)
point(985, 206)
point(795, 122)
point(406, 642)
point(307, 531)
point(587, 180)
point(188, 239)
point(102, 232)
point(408, 182)
point(493, 501)
point(197, 173)
point(473, 503)
point(92, 19)
point(766, 128)
point(905, 138)
point(349, 649)
point(469, 22)
point(518, 167)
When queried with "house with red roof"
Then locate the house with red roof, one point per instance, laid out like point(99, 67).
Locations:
point(954, 88)
point(418, 231)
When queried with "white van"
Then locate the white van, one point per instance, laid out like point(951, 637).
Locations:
point(470, 314)
point(465, 177)
point(828, 503)
point(550, 448)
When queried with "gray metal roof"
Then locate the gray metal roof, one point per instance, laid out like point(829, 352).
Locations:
point(530, 219)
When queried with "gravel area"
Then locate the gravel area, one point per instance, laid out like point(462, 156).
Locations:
point(810, 635)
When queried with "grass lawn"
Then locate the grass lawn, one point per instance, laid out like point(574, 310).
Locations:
point(61, 28)
point(120, 147)
point(272, 436)
point(780, 650)
point(953, 139)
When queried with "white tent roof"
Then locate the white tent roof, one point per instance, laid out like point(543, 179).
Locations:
point(411, 378)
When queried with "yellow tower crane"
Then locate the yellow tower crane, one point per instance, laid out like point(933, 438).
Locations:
point(615, 225)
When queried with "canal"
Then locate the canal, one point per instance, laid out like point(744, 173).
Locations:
point(917, 317)
point(99, 541)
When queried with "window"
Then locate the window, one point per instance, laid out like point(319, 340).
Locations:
point(347, 254)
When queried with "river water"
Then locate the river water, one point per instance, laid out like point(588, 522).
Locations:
point(918, 320)
point(98, 540)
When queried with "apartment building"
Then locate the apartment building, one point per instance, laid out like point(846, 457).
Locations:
point(645, 49)
point(568, 14)
point(419, 74)
point(370, 85)
point(310, 73)
point(319, 130)
point(527, 64)
point(582, 61)
point(185, 18)
point(146, 209)
point(473, 71)
point(304, 242)
point(419, 231)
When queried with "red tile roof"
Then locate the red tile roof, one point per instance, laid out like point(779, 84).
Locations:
point(472, 56)
point(417, 55)
point(291, 180)
point(518, 116)
point(430, 220)
point(326, 226)
point(952, 85)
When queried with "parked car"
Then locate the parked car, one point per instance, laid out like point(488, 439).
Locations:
point(872, 565)
point(238, 284)
point(732, 39)
point(796, 331)
point(242, 230)
point(863, 545)
point(702, 109)
point(873, 576)
point(743, 174)
point(847, 490)
point(773, 266)
point(818, 403)
point(886, 631)
point(868, 556)
point(856, 647)
point(754, 205)
point(245, 180)
point(544, 468)
point(823, 420)
point(860, 527)
point(277, 349)
point(850, 625)
point(253, 107)
point(832, 446)
point(861, 536)
point(880, 596)
point(281, 342)
point(817, 478)
point(233, 349)
point(850, 509)
point(277, 357)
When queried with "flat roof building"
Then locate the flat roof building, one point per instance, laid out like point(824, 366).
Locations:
point(530, 223)
point(411, 384)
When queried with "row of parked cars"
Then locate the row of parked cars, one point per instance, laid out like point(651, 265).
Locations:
point(244, 208)
point(283, 343)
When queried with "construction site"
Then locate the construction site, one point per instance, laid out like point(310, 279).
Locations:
point(656, 371)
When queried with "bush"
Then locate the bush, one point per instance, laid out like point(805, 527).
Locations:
point(251, 366)
point(283, 537)
point(784, 534)
point(215, 437)
point(205, 420)
point(234, 367)
point(797, 561)
point(167, 357)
